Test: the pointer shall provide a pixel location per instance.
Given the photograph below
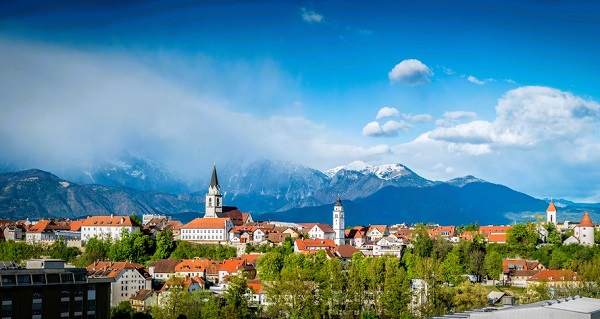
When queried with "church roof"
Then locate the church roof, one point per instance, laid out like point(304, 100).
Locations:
point(551, 207)
point(586, 221)
point(339, 201)
point(214, 181)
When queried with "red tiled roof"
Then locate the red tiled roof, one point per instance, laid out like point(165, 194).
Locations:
point(346, 251)
point(112, 220)
point(586, 221)
point(497, 238)
point(112, 269)
point(231, 265)
point(304, 244)
point(165, 265)
point(555, 275)
point(206, 223)
point(192, 265)
point(551, 207)
point(380, 228)
point(487, 230)
point(254, 285)
point(141, 294)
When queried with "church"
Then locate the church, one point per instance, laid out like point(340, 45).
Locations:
point(218, 220)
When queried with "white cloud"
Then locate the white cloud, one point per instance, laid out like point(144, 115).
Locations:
point(389, 129)
point(525, 117)
point(311, 16)
point(460, 115)
point(385, 112)
point(411, 72)
point(477, 81)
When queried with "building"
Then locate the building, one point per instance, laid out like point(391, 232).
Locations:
point(584, 232)
point(517, 271)
point(128, 278)
point(310, 244)
point(207, 230)
point(556, 278)
point(107, 227)
point(551, 213)
point(338, 222)
point(376, 232)
point(320, 231)
point(163, 269)
point(45, 287)
point(143, 300)
point(13, 232)
point(214, 199)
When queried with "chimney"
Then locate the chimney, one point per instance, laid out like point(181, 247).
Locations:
point(112, 215)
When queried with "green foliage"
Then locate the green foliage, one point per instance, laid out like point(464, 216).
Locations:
point(136, 247)
point(122, 311)
point(421, 241)
point(164, 245)
point(493, 265)
point(60, 250)
point(135, 218)
point(19, 251)
point(469, 296)
point(451, 268)
point(188, 250)
point(236, 301)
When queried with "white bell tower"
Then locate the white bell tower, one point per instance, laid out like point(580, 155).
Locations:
point(338, 222)
point(551, 213)
point(214, 199)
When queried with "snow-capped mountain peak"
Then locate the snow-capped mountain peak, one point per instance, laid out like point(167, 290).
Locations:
point(385, 171)
point(462, 181)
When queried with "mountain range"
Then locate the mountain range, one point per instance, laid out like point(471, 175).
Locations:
point(271, 189)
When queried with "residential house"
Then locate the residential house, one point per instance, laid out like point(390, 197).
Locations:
point(108, 227)
point(556, 278)
point(163, 269)
point(356, 236)
point(13, 232)
point(191, 268)
point(376, 232)
point(319, 231)
point(517, 271)
point(129, 278)
point(310, 244)
point(232, 267)
point(389, 245)
point(143, 300)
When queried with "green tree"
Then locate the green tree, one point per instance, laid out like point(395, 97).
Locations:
point(469, 296)
point(451, 268)
point(60, 250)
point(164, 245)
point(493, 265)
point(94, 249)
point(122, 311)
point(423, 245)
point(236, 299)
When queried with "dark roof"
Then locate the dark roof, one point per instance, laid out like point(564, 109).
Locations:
point(164, 265)
point(214, 181)
point(339, 201)
point(346, 251)
point(141, 294)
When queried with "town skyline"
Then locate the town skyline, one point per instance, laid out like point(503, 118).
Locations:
point(505, 92)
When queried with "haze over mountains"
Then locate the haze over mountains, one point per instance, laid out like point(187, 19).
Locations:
point(269, 189)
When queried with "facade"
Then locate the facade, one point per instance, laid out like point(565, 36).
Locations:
point(207, 230)
point(107, 227)
point(584, 232)
point(376, 232)
point(46, 288)
point(128, 278)
point(338, 222)
point(143, 300)
point(214, 199)
point(13, 232)
point(321, 231)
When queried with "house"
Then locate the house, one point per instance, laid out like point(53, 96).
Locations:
point(107, 227)
point(446, 232)
point(207, 230)
point(143, 300)
point(494, 234)
point(517, 271)
point(163, 269)
point(376, 232)
point(44, 230)
point(190, 268)
point(255, 293)
point(389, 245)
point(556, 278)
point(320, 231)
point(304, 245)
point(345, 253)
point(187, 284)
point(584, 232)
point(498, 238)
point(356, 236)
point(232, 267)
point(129, 278)
point(13, 232)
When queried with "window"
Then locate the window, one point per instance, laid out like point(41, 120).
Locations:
point(91, 306)
point(36, 308)
point(64, 306)
point(7, 311)
point(78, 306)
point(8, 280)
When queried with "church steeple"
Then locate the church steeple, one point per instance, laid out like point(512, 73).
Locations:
point(338, 222)
point(214, 199)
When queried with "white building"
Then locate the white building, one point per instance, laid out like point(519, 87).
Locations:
point(320, 231)
point(207, 230)
point(338, 222)
point(107, 227)
point(584, 232)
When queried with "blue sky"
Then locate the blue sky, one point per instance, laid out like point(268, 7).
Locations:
point(506, 91)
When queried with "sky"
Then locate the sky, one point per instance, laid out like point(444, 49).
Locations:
point(507, 91)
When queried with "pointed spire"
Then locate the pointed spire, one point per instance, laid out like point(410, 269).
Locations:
point(339, 201)
point(214, 181)
point(551, 207)
point(586, 221)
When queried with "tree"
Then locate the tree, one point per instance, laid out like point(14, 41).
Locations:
point(122, 311)
point(164, 245)
point(236, 299)
point(493, 265)
point(421, 241)
point(451, 268)
point(469, 296)
point(135, 218)
point(396, 291)
point(94, 249)
point(270, 265)
point(60, 250)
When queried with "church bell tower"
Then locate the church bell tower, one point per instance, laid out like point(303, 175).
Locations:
point(338, 222)
point(214, 199)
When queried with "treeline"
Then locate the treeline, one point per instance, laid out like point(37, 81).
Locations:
point(136, 247)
